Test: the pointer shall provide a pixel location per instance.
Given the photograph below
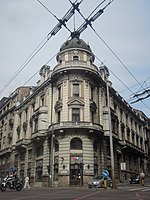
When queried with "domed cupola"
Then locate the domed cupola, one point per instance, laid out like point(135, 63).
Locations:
point(75, 43)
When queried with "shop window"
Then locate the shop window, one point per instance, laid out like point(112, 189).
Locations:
point(76, 144)
point(39, 170)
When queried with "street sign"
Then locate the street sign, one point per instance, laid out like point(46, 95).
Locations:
point(123, 166)
point(105, 173)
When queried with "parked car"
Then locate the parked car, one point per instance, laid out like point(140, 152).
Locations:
point(134, 179)
point(98, 182)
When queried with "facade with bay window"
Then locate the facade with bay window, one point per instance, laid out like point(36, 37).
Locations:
point(59, 131)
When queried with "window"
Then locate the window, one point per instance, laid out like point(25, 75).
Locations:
point(75, 114)
point(30, 154)
point(92, 93)
point(22, 156)
point(76, 90)
point(58, 116)
point(42, 100)
point(59, 93)
point(36, 125)
point(75, 58)
point(39, 151)
point(76, 143)
point(39, 170)
point(56, 146)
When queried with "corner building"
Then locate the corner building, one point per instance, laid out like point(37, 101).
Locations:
point(61, 133)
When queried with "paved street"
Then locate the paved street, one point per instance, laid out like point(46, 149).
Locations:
point(131, 192)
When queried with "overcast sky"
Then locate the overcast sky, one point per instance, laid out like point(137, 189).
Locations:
point(124, 27)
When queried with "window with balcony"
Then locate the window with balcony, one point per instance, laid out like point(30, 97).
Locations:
point(75, 114)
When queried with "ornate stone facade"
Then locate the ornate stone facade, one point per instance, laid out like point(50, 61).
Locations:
point(59, 133)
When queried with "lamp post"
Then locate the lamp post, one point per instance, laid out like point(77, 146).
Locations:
point(51, 159)
point(110, 136)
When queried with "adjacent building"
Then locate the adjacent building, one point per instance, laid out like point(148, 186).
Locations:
point(58, 132)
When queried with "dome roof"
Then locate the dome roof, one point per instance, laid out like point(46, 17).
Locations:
point(75, 42)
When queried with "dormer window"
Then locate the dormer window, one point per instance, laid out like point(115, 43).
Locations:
point(75, 58)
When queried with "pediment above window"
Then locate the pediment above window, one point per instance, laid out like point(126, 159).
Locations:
point(93, 106)
point(58, 105)
point(75, 101)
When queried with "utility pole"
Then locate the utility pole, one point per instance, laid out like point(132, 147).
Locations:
point(110, 136)
point(51, 129)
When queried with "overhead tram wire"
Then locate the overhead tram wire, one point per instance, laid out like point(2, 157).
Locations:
point(123, 84)
point(89, 22)
point(61, 23)
point(38, 70)
point(92, 19)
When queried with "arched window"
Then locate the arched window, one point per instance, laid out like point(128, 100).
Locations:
point(76, 143)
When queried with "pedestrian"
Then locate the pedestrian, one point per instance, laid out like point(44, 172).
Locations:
point(142, 176)
point(26, 184)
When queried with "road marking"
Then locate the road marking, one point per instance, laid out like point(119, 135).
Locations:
point(139, 189)
point(138, 196)
point(87, 196)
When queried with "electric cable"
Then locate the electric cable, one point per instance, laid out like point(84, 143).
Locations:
point(66, 17)
point(123, 84)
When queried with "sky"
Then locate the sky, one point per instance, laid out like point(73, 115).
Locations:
point(121, 41)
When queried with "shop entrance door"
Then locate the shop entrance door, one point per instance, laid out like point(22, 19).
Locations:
point(75, 176)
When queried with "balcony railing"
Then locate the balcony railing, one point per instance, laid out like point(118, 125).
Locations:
point(78, 125)
point(131, 145)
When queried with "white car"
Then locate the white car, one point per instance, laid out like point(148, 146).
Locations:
point(98, 182)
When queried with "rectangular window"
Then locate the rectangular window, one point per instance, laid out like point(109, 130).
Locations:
point(39, 151)
point(58, 116)
point(59, 93)
point(75, 90)
point(39, 170)
point(92, 93)
point(42, 100)
point(30, 154)
point(36, 125)
point(75, 114)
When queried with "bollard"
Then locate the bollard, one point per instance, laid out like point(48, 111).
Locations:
point(105, 183)
point(142, 181)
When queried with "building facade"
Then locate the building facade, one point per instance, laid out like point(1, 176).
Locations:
point(59, 133)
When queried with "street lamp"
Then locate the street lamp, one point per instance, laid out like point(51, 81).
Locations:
point(110, 136)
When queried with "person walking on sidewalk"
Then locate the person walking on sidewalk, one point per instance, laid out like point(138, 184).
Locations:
point(26, 184)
